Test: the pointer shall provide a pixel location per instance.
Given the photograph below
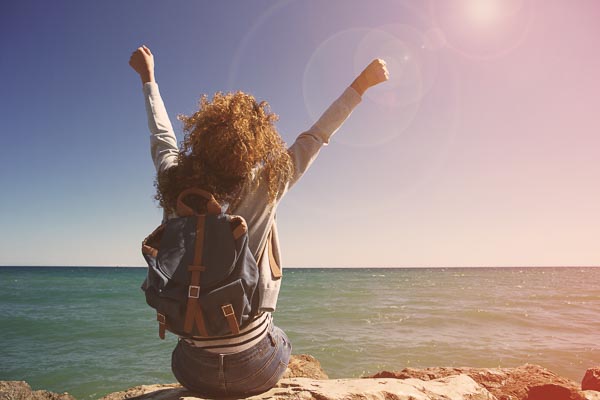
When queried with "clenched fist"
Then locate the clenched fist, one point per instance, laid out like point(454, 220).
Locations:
point(375, 73)
point(142, 61)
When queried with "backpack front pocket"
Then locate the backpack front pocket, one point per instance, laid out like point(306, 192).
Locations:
point(225, 309)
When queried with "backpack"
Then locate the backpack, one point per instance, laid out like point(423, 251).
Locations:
point(202, 276)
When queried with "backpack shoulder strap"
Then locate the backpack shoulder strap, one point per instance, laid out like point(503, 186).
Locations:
point(183, 210)
point(193, 313)
point(275, 268)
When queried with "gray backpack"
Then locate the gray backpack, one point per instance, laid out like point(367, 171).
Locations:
point(202, 277)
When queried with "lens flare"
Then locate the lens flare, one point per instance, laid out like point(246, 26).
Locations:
point(405, 84)
point(387, 109)
point(434, 39)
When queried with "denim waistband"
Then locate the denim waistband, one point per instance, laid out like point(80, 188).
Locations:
point(251, 370)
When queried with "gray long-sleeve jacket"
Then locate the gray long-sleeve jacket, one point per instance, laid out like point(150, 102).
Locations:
point(254, 207)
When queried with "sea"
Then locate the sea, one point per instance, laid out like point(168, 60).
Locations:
point(89, 332)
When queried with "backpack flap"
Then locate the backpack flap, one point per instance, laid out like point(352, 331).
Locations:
point(224, 309)
point(177, 249)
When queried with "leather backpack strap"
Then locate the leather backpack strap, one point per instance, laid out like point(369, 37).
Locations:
point(162, 324)
point(229, 314)
point(193, 310)
point(183, 210)
point(238, 227)
point(275, 268)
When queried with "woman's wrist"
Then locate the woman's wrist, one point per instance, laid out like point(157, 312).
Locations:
point(147, 77)
point(360, 85)
point(375, 73)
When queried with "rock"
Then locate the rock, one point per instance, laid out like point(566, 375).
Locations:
point(304, 366)
point(155, 392)
point(591, 395)
point(20, 390)
point(459, 387)
point(305, 380)
point(526, 382)
point(591, 379)
point(550, 391)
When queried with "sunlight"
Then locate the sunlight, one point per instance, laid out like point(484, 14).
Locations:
point(481, 29)
point(490, 12)
point(483, 12)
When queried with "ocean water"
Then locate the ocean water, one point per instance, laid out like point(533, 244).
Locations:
point(88, 331)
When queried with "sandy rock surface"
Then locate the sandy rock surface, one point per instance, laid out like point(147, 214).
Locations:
point(305, 380)
point(527, 382)
point(459, 387)
point(20, 390)
point(591, 395)
point(304, 366)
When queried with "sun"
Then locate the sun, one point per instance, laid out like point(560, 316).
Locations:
point(481, 29)
point(483, 12)
point(490, 12)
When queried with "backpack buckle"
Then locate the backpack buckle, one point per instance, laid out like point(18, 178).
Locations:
point(161, 318)
point(229, 314)
point(194, 292)
point(227, 310)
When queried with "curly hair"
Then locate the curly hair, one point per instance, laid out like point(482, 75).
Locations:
point(224, 142)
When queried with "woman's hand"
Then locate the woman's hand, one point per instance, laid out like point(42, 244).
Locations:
point(375, 73)
point(142, 61)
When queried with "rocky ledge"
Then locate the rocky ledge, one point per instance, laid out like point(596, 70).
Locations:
point(19, 390)
point(306, 380)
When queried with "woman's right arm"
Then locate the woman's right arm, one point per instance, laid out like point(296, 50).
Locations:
point(163, 143)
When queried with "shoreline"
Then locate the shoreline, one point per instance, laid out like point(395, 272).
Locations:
point(305, 379)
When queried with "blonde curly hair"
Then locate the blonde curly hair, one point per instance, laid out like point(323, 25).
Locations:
point(224, 141)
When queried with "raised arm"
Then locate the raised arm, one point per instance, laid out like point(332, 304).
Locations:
point(308, 144)
point(163, 143)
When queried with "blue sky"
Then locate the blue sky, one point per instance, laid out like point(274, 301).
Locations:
point(481, 150)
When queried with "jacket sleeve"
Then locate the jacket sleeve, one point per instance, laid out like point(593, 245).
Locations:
point(163, 143)
point(308, 144)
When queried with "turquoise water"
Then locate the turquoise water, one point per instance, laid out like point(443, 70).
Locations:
point(88, 331)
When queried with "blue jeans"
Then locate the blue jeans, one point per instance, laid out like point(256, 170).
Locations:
point(252, 371)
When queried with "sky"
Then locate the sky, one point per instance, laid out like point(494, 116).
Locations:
point(481, 150)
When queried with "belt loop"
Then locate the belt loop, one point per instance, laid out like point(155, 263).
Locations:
point(221, 368)
point(222, 383)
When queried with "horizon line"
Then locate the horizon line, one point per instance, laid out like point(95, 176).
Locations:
point(322, 267)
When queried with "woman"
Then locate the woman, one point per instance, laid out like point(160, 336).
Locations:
point(232, 149)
